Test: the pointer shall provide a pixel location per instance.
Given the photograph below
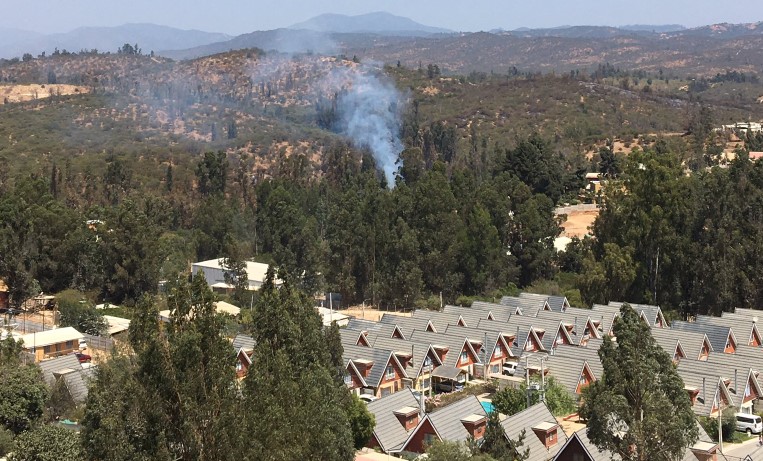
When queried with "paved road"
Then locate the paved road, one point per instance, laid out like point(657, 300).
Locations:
point(740, 451)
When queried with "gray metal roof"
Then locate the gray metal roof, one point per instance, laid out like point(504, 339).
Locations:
point(526, 420)
point(717, 334)
point(501, 312)
point(747, 312)
point(471, 316)
point(389, 432)
point(362, 325)
point(454, 343)
point(58, 366)
point(691, 341)
point(440, 320)
point(520, 332)
point(744, 328)
point(447, 420)
point(78, 383)
point(578, 322)
point(594, 453)
point(527, 305)
point(406, 324)
point(556, 303)
point(490, 339)
point(242, 341)
point(417, 350)
point(379, 357)
point(350, 337)
point(590, 354)
point(653, 314)
point(447, 372)
point(547, 330)
point(712, 386)
point(565, 370)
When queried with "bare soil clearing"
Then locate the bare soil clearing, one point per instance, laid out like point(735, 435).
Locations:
point(370, 313)
point(579, 219)
point(21, 93)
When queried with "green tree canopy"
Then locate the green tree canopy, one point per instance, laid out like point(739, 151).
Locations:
point(639, 408)
point(47, 443)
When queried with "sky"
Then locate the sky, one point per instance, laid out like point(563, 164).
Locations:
point(240, 16)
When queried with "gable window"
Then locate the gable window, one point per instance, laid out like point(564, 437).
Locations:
point(464, 357)
point(390, 374)
point(347, 379)
point(239, 366)
point(497, 351)
point(428, 361)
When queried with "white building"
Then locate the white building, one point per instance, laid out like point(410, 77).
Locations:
point(215, 274)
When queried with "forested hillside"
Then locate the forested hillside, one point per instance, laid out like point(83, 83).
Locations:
point(241, 155)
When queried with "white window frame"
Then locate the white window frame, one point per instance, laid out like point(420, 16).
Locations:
point(389, 373)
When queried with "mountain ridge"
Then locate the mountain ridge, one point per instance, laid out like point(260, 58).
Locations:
point(376, 22)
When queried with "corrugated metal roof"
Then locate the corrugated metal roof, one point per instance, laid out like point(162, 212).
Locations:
point(49, 337)
point(447, 372)
point(447, 420)
point(78, 383)
point(55, 366)
point(556, 303)
point(744, 328)
point(526, 420)
point(594, 453)
point(691, 341)
point(455, 344)
point(379, 357)
point(245, 342)
point(717, 334)
point(389, 432)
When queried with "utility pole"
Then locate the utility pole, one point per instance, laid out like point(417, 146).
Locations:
point(542, 380)
point(527, 380)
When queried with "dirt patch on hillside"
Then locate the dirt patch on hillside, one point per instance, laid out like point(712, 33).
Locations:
point(370, 313)
point(22, 93)
point(578, 221)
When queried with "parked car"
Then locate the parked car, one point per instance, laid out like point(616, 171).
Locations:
point(83, 358)
point(82, 344)
point(752, 424)
point(449, 386)
point(509, 368)
point(368, 398)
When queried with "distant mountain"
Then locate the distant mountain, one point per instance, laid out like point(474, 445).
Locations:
point(148, 37)
point(659, 29)
point(725, 30)
point(378, 23)
point(281, 40)
point(569, 32)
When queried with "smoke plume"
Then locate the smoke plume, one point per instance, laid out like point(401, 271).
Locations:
point(368, 110)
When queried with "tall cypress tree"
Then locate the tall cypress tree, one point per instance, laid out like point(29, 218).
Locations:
point(294, 403)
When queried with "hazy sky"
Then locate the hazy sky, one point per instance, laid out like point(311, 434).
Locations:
point(240, 16)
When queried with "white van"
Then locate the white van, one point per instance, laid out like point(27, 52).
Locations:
point(752, 424)
point(509, 368)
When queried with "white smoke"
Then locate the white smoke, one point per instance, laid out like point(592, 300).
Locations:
point(368, 108)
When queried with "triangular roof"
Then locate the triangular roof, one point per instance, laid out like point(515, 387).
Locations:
point(526, 420)
point(446, 421)
point(388, 431)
